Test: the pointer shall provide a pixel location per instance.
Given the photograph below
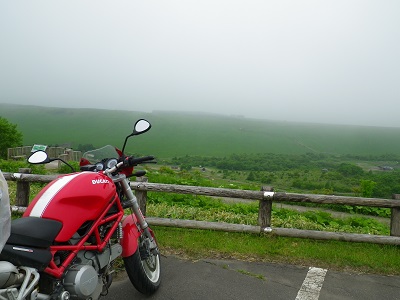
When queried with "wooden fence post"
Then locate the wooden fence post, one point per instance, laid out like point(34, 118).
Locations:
point(142, 195)
point(395, 218)
point(23, 189)
point(265, 210)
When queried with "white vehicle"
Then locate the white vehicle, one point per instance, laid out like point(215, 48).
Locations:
point(5, 215)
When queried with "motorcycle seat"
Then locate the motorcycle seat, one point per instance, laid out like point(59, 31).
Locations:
point(34, 232)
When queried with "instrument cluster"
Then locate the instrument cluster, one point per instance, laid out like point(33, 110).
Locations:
point(106, 164)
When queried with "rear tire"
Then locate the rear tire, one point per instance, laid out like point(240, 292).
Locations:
point(144, 273)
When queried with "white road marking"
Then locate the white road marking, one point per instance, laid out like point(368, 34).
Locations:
point(312, 284)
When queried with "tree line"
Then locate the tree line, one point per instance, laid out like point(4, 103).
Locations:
point(310, 172)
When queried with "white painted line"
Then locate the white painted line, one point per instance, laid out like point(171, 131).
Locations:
point(312, 284)
point(44, 200)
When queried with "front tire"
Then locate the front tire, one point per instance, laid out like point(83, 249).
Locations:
point(143, 269)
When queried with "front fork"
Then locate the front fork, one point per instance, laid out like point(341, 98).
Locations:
point(134, 205)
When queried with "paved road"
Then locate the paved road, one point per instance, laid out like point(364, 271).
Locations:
point(227, 279)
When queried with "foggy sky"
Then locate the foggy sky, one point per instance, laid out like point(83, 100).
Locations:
point(315, 61)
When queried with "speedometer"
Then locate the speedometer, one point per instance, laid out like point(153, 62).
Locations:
point(99, 166)
point(111, 163)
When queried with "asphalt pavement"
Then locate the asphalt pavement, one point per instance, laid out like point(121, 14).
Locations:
point(232, 279)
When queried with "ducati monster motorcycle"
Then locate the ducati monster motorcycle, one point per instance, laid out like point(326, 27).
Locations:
point(66, 244)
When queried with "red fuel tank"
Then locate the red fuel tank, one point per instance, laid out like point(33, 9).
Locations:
point(73, 199)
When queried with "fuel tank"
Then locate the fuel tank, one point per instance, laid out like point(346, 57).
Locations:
point(73, 199)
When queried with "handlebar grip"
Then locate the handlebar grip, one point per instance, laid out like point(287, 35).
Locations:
point(134, 161)
point(139, 173)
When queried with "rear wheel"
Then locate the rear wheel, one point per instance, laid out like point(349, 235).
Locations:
point(143, 268)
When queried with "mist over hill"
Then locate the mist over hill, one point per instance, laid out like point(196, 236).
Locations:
point(190, 133)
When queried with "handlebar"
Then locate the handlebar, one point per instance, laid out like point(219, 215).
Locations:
point(129, 162)
point(135, 161)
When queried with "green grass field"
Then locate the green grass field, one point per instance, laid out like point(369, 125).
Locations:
point(180, 134)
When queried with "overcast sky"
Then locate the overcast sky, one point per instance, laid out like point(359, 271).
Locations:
point(335, 61)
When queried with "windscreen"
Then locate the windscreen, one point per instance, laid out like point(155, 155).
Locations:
point(94, 156)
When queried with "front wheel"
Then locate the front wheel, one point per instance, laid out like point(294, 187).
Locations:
point(143, 269)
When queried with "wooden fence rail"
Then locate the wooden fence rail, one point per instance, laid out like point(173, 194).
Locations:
point(265, 197)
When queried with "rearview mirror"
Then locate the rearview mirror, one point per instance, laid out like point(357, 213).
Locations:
point(38, 157)
point(141, 126)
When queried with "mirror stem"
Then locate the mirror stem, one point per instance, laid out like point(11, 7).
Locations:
point(72, 168)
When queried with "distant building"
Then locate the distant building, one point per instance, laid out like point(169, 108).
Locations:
point(386, 168)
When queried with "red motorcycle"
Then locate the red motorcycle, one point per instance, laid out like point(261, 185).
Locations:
point(65, 245)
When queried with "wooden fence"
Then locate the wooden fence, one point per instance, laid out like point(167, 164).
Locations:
point(265, 196)
point(59, 152)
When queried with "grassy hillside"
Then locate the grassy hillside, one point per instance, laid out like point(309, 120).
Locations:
point(179, 134)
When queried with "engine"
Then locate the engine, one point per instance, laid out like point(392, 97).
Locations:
point(9, 275)
point(87, 279)
point(82, 282)
point(17, 282)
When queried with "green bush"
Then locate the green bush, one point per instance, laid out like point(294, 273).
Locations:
point(65, 169)
point(11, 166)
